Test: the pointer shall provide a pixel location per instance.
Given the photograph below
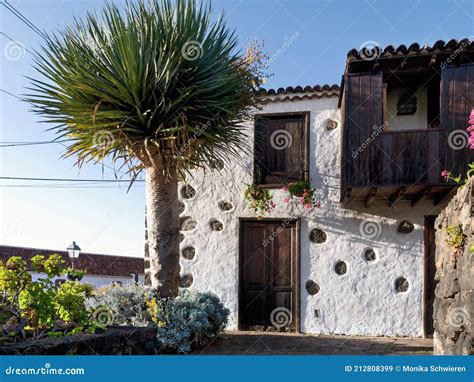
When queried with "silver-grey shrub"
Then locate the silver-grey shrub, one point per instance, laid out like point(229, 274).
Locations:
point(121, 305)
point(190, 320)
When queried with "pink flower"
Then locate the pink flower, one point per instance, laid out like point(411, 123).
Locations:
point(284, 188)
point(286, 200)
point(445, 173)
point(273, 204)
point(307, 205)
point(318, 205)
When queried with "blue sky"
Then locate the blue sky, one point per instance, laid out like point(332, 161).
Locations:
point(307, 40)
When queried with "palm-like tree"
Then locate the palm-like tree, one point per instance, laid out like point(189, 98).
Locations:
point(159, 87)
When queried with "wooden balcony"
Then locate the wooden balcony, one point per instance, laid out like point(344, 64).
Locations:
point(395, 165)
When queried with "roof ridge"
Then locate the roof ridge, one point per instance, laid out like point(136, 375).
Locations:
point(373, 50)
point(298, 89)
point(65, 251)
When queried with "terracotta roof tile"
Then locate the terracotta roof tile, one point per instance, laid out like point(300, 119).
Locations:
point(438, 47)
point(92, 263)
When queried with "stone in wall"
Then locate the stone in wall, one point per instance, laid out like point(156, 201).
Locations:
point(454, 296)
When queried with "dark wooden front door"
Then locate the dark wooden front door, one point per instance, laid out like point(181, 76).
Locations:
point(429, 275)
point(269, 270)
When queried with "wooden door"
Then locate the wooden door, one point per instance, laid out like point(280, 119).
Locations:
point(456, 103)
point(269, 273)
point(429, 275)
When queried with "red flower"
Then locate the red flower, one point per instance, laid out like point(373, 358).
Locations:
point(445, 173)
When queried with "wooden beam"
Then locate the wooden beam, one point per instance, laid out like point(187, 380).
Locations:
point(396, 196)
point(418, 197)
point(371, 195)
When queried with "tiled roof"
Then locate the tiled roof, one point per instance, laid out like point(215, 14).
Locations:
point(415, 49)
point(92, 263)
point(298, 93)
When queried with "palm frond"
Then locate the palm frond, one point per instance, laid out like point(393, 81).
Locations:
point(160, 78)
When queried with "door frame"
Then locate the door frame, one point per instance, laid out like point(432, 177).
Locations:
point(427, 276)
point(296, 284)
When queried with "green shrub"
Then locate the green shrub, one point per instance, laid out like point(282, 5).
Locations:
point(36, 306)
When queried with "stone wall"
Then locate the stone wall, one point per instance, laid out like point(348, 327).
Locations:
point(114, 341)
point(454, 297)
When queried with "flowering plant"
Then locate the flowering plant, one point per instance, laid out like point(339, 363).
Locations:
point(260, 200)
point(303, 191)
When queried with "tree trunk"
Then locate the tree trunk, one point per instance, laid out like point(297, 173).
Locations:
point(162, 232)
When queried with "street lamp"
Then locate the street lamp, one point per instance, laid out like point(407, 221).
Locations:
point(73, 251)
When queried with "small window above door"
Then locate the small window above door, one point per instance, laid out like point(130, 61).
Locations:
point(281, 148)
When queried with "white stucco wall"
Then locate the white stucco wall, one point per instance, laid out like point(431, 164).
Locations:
point(361, 302)
point(419, 120)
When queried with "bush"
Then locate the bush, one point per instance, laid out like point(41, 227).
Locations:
point(121, 305)
point(190, 320)
point(38, 307)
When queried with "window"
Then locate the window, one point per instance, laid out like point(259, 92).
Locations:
point(281, 148)
point(411, 102)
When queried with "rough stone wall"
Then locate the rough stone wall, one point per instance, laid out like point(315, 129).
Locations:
point(363, 301)
point(454, 296)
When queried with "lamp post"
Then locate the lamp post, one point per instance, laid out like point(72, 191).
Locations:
point(73, 251)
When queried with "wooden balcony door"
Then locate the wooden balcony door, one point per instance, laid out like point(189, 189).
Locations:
point(269, 274)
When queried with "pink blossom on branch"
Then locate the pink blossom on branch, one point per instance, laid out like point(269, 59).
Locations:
point(445, 173)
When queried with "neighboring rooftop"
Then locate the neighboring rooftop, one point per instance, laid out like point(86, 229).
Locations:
point(298, 93)
point(92, 263)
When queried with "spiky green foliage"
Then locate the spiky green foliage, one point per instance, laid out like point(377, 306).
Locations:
point(158, 80)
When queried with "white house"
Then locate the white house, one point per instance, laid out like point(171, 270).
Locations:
point(374, 148)
point(101, 270)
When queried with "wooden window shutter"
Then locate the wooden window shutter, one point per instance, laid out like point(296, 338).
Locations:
point(456, 102)
point(280, 149)
point(363, 112)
